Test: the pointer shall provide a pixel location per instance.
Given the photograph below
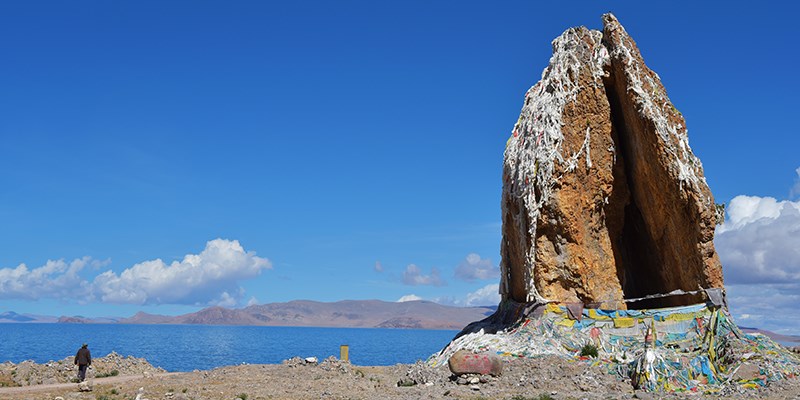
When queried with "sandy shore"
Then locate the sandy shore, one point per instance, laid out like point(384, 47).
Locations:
point(535, 378)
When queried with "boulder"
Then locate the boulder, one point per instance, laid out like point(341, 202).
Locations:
point(85, 386)
point(466, 362)
point(747, 371)
point(603, 199)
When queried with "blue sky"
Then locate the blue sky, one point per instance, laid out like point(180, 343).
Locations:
point(344, 150)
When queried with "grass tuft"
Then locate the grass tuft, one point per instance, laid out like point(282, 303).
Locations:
point(589, 350)
point(113, 372)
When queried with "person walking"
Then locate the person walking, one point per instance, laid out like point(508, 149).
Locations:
point(83, 359)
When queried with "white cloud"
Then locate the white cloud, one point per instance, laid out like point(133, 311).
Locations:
point(409, 297)
point(252, 302)
point(744, 210)
point(759, 246)
point(224, 300)
point(413, 276)
point(378, 266)
point(55, 279)
point(488, 295)
point(473, 267)
point(208, 278)
point(760, 241)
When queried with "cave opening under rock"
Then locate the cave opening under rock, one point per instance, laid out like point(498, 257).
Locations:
point(639, 259)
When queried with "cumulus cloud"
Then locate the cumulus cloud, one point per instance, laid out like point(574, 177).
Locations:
point(473, 267)
point(759, 246)
point(760, 240)
point(409, 297)
point(378, 266)
point(413, 276)
point(209, 278)
point(55, 279)
point(488, 295)
point(744, 210)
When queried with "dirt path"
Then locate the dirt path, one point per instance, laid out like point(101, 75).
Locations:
point(96, 381)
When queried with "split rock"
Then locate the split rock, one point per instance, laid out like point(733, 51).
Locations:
point(603, 199)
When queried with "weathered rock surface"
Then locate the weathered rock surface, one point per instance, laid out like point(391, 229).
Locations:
point(466, 362)
point(603, 200)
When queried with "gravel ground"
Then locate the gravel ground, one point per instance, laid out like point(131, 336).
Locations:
point(536, 378)
point(64, 371)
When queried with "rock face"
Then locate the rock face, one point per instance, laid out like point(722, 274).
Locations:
point(603, 200)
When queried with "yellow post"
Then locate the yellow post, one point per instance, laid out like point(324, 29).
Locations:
point(344, 352)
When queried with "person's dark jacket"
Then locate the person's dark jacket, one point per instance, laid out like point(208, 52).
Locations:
point(84, 357)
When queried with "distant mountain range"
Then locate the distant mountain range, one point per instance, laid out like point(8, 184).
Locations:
point(10, 316)
point(786, 339)
point(347, 313)
point(340, 314)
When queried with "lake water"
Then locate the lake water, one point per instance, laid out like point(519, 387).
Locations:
point(189, 347)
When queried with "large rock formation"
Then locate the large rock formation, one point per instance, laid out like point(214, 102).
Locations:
point(603, 204)
point(603, 200)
